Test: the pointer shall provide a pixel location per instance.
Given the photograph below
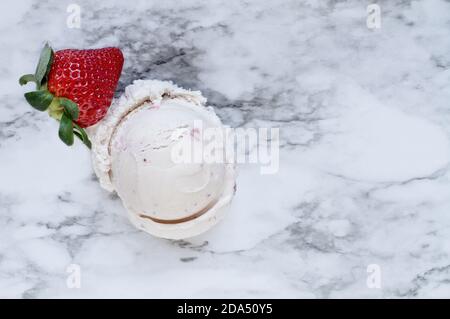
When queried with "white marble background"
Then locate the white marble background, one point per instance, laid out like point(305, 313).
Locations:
point(364, 166)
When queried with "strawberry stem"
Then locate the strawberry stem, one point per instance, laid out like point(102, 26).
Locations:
point(44, 65)
point(55, 109)
point(82, 135)
point(70, 107)
point(66, 129)
point(24, 79)
point(40, 100)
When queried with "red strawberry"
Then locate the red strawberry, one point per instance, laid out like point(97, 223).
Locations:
point(75, 86)
point(87, 77)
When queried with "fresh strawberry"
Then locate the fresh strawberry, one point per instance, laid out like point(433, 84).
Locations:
point(87, 77)
point(76, 87)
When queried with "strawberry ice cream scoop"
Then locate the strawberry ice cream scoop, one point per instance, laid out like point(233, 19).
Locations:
point(136, 152)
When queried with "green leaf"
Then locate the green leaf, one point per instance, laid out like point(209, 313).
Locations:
point(24, 79)
point(44, 65)
point(66, 129)
point(81, 134)
point(40, 100)
point(70, 107)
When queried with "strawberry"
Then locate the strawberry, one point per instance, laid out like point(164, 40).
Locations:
point(75, 86)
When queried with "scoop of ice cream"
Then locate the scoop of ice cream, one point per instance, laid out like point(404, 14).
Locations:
point(144, 172)
point(134, 152)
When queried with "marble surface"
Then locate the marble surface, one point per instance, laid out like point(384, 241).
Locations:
point(364, 162)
